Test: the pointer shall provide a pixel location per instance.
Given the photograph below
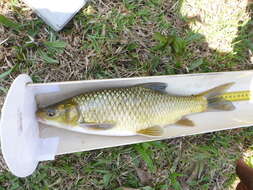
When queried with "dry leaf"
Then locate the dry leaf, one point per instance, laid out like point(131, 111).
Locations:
point(144, 176)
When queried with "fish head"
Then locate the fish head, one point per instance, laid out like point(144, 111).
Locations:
point(50, 113)
point(61, 114)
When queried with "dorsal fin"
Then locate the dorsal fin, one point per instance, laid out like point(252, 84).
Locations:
point(157, 86)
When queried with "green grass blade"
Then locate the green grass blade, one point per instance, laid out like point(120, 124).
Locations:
point(145, 156)
point(106, 179)
point(4, 90)
point(6, 73)
point(196, 64)
point(9, 23)
point(56, 44)
point(47, 58)
point(159, 37)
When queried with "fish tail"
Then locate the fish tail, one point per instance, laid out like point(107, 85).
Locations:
point(214, 102)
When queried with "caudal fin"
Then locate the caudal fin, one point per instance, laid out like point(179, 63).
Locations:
point(214, 101)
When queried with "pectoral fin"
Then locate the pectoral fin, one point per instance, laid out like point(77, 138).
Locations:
point(185, 122)
point(155, 131)
point(101, 126)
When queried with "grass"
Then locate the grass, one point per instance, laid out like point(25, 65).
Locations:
point(109, 39)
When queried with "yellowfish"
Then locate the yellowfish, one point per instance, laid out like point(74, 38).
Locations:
point(143, 109)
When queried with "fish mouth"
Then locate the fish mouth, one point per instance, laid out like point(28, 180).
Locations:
point(41, 119)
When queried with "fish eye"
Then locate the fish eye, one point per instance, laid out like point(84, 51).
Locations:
point(51, 113)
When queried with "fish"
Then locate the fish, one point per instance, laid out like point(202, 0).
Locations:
point(142, 109)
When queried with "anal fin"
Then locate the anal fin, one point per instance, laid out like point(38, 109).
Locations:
point(185, 122)
point(155, 131)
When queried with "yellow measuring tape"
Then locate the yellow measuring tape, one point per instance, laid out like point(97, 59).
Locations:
point(237, 96)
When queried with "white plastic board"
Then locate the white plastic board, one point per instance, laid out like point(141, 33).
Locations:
point(178, 84)
point(24, 142)
point(20, 143)
point(56, 13)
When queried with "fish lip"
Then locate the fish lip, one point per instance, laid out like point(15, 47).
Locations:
point(41, 120)
point(39, 117)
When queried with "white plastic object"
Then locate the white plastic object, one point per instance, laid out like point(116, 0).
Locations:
point(21, 145)
point(188, 84)
point(56, 13)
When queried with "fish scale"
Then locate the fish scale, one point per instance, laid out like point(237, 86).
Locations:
point(134, 108)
